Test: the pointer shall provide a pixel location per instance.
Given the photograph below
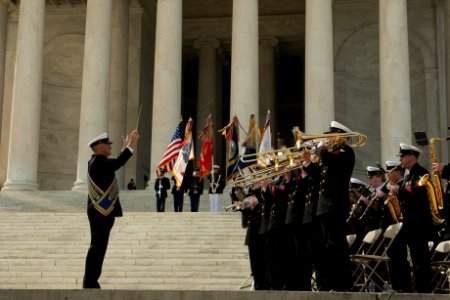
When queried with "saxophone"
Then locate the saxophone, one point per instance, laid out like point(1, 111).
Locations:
point(436, 178)
point(392, 202)
point(431, 192)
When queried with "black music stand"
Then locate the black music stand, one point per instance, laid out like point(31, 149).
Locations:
point(421, 138)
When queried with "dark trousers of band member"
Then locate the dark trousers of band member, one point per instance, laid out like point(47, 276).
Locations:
point(195, 199)
point(298, 277)
point(258, 262)
point(178, 202)
point(100, 229)
point(399, 268)
point(417, 241)
point(160, 203)
point(334, 265)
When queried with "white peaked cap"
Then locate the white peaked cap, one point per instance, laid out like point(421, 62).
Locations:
point(101, 139)
point(408, 149)
point(357, 181)
point(338, 127)
point(390, 164)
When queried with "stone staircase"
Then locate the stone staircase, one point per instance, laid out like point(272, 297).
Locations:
point(45, 236)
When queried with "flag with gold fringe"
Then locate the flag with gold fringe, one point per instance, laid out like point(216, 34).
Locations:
point(206, 155)
point(231, 133)
point(186, 154)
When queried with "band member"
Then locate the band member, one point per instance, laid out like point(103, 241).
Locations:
point(399, 268)
point(417, 220)
point(372, 214)
point(216, 185)
point(251, 219)
point(162, 184)
point(359, 193)
point(195, 190)
point(444, 170)
point(277, 234)
point(103, 200)
point(338, 160)
point(307, 229)
point(178, 195)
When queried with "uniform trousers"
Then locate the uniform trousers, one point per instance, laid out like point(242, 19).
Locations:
point(160, 203)
point(178, 202)
point(214, 200)
point(334, 266)
point(258, 259)
point(399, 269)
point(420, 256)
point(195, 199)
point(100, 229)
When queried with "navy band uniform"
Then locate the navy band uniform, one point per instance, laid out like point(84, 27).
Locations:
point(103, 202)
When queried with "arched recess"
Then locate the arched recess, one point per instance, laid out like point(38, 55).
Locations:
point(357, 90)
point(60, 115)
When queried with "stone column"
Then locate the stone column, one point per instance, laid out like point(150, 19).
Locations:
point(319, 77)
point(244, 61)
point(447, 65)
point(95, 83)
point(26, 110)
point(207, 84)
point(167, 78)
point(267, 46)
point(118, 88)
point(395, 104)
point(5, 105)
point(3, 33)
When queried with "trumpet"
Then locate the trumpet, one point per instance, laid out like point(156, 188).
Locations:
point(241, 205)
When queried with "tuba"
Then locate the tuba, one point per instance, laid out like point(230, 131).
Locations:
point(392, 202)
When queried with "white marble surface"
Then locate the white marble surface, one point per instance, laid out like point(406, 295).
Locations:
point(395, 102)
point(244, 96)
point(95, 86)
point(26, 108)
point(117, 117)
point(167, 78)
point(319, 77)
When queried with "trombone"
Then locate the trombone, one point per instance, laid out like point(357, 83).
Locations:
point(273, 171)
point(356, 140)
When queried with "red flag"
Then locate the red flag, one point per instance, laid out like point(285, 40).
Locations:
point(206, 154)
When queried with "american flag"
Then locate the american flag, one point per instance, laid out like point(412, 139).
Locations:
point(172, 151)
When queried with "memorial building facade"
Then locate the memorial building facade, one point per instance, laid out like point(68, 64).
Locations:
point(72, 69)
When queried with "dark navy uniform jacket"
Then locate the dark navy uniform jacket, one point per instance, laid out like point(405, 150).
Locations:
point(417, 213)
point(337, 168)
point(102, 169)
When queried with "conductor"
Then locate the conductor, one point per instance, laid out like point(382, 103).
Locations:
point(103, 200)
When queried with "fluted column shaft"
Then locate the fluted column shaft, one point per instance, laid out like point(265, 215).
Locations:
point(244, 61)
point(207, 82)
point(3, 33)
point(26, 109)
point(167, 77)
point(447, 70)
point(119, 78)
point(395, 103)
point(95, 83)
point(319, 76)
point(267, 46)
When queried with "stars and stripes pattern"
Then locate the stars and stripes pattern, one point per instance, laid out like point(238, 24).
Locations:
point(172, 151)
